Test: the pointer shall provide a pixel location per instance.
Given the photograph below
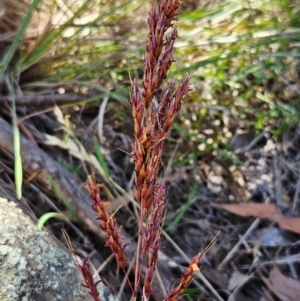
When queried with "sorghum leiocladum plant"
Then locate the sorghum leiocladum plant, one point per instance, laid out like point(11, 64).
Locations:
point(153, 114)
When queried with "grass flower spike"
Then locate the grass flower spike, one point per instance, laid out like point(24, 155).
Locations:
point(108, 223)
point(154, 115)
point(185, 280)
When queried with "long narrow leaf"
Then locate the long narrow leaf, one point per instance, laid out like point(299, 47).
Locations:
point(60, 194)
point(183, 210)
point(17, 146)
point(101, 158)
point(18, 37)
point(45, 217)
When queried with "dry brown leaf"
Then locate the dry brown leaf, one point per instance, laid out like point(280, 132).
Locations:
point(287, 289)
point(289, 223)
point(268, 211)
point(251, 209)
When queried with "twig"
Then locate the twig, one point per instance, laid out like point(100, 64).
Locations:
point(283, 260)
point(235, 248)
point(50, 100)
point(277, 175)
point(252, 143)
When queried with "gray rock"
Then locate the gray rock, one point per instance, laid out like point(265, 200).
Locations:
point(32, 266)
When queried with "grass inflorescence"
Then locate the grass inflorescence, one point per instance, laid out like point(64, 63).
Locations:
point(153, 117)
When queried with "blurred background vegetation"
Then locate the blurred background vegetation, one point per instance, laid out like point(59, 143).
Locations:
point(242, 57)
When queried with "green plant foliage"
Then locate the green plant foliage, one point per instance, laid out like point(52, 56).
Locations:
point(233, 49)
point(101, 159)
point(183, 210)
point(61, 196)
point(45, 217)
point(18, 37)
point(17, 148)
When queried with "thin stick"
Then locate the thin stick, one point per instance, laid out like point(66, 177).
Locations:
point(51, 100)
point(236, 247)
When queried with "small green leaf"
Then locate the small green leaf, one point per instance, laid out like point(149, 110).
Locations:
point(60, 194)
point(45, 217)
point(183, 210)
point(100, 158)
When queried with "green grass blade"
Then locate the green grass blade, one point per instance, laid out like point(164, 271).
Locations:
point(101, 158)
point(18, 37)
point(45, 217)
point(17, 147)
point(183, 210)
point(47, 42)
point(66, 203)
